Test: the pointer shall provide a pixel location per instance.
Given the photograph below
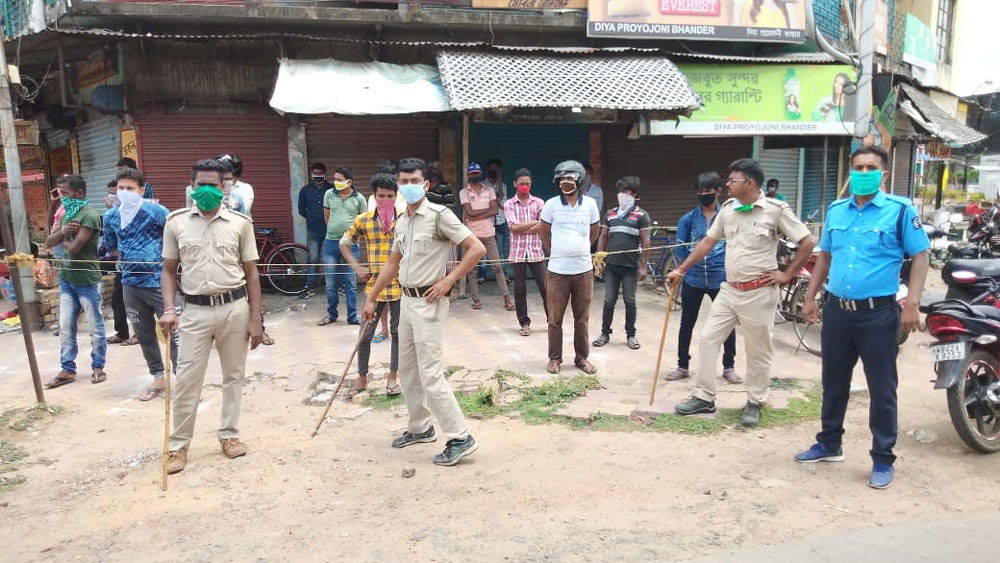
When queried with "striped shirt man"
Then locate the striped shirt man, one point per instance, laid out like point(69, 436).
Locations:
point(524, 247)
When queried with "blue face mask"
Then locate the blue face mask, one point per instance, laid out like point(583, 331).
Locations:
point(865, 183)
point(412, 193)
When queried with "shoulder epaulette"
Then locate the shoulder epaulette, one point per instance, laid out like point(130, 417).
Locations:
point(178, 212)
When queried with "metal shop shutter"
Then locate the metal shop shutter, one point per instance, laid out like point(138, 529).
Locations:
point(539, 148)
point(667, 165)
point(170, 144)
point(782, 164)
point(99, 147)
point(812, 197)
point(361, 143)
point(902, 168)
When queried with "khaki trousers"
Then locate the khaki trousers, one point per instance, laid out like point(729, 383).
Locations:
point(421, 372)
point(754, 312)
point(493, 255)
point(200, 327)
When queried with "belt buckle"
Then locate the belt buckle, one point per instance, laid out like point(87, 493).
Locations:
point(216, 299)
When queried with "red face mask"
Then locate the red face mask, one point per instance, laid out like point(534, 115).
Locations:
point(524, 190)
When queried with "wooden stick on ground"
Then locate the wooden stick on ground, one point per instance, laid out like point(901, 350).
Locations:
point(663, 340)
point(168, 344)
point(329, 403)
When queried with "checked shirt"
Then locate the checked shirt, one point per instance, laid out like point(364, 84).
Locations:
point(366, 226)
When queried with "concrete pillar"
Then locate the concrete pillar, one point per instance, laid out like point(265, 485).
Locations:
point(298, 172)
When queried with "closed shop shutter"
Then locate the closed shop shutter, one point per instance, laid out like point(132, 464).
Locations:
point(170, 144)
point(539, 148)
point(782, 164)
point(813, 180)
point(902, 168)
point(99, 147)
point(58, 138)
point(361, 143)
point(667, 166)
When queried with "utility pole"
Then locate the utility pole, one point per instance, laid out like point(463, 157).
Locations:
point(23, 278)
point(866, 55)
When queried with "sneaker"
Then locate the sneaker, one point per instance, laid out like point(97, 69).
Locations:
point(751, 415)
point(307, 293)
point(694, 405)
point(678, 374)
point(409, 438)
point(819, 452)
point(729, 374)
point(176, 461)
point(881, 476)
point(233, 447)
point(602, 340)
point(455, 450)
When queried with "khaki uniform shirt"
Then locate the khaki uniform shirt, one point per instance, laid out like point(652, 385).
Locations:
point(752, 237)
point(424, 246)
point(211, 253)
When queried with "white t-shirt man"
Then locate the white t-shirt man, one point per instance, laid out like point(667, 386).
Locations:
point(570, 234)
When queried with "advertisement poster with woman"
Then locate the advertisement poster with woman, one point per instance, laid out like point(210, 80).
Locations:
point(739, 20)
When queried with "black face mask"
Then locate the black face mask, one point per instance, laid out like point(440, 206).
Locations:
point(319, 179)
point(706, 199)
point(491, 174)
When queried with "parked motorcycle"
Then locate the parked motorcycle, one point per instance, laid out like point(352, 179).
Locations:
point(966, 352)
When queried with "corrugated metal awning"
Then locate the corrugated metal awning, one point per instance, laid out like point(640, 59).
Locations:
point(568, 81)
point(930, 117)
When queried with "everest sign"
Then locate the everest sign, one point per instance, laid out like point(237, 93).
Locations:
point(691, 7)
point(734, 20)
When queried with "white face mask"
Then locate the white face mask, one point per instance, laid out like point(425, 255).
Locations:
point(130, 204)
point(227, 186)
point(625, 201)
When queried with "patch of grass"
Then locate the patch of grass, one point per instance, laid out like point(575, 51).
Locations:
point(11, 456)
point(385, 402)
point(483, 404)
point(450, 370)
point(686, 425)
point(10, 484)
point(20, 419)
point(783, 383)
point(503, 375)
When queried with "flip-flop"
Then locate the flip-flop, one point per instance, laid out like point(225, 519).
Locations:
point(98, 376)
point(326, 321)
point(115, 339)
point(553, 367)
point(150, 394)
point(380, 338)
point(393, 391)
point(59, 382)
point(267, 340)
point(586, 367)
point(477, 304)
point(130, 342)
point(509, 306)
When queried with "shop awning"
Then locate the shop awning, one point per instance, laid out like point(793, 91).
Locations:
point(930, 117)
point(476, 81)
point(332, 86)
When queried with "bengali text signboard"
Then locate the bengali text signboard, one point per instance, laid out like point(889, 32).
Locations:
point(734, 20)
point(744, 100)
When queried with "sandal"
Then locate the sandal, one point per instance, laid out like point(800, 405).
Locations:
point(325, 321)
point(267, 340)
point(64, 378)
point(508, 304)
point(131, 341)
point(525, 330)
point(602, 340)
point(553, 367)
point(586, 367)
point(355, 390)
point(393, 390)
point(151, 393)
point(115, 339)
point(380, 338)
point(98, 376)
point(476, 303)
point(633, 343)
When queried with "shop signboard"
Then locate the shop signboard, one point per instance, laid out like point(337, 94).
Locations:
point(725, 20)
point(918, 43)
point(746, 100)
point(530, 4)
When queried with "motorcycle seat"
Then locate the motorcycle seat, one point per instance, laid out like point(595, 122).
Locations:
point(988, 311)
point(987, 268)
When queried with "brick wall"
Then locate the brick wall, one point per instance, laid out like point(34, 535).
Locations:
point(36, 203)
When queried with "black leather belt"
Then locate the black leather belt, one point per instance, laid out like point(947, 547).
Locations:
point(863, 304)
point(416, 291)
point(217, 299)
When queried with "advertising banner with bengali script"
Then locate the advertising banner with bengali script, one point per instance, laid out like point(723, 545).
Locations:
point(744, 100)
point(782, 21)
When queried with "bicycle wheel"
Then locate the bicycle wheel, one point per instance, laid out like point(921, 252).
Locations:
point(807, 333)
point(285, 270)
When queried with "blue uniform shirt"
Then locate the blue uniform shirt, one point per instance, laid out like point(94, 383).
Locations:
point(711, 271)
point(140, 245)
point(864, 245)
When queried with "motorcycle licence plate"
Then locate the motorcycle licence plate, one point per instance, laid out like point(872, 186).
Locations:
point(946, 352)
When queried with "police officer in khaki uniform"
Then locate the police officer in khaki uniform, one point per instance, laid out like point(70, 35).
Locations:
point(750, 223)
point(217, 252)
point(424, 237)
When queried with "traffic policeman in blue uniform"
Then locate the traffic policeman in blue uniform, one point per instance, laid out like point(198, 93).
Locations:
point(864, 240)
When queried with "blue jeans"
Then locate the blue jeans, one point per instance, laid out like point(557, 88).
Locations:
point(314, 243)
point(503, 245)
point(337, 275)
point(74, 299)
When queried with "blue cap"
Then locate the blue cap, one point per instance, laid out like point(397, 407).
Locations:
point(474, 168)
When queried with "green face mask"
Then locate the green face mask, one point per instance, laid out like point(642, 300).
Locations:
point(207, 197)
point(865, 183)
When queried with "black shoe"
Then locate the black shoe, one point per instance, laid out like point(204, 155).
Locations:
point(455, 450)
point(355, 322)
point(602, 340)
point(694, 405)
point(409, 438)
point(751, 415)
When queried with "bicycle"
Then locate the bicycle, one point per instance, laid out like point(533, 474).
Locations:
point(666, 262)
point(792, 298)
point(282, 265)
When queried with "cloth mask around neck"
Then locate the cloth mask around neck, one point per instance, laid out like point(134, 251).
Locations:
point(207, 197)
point(865, 183)
point(625, 204)
point(385, 208)
point(72, 206)
point(130, 204)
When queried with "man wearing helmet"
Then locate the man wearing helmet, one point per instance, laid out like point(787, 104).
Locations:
point(569, 226)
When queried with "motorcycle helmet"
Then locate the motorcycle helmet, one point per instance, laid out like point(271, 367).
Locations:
point(234, 161)
point(571, 169)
